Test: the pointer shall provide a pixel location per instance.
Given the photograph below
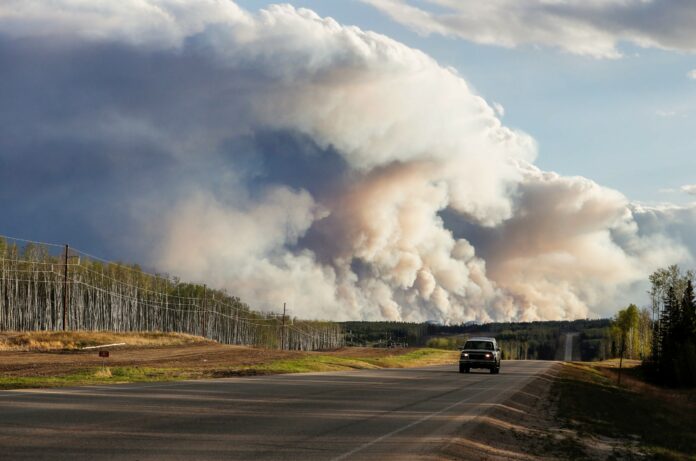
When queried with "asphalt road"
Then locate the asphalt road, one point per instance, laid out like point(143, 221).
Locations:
point(371, 414)
point(570, 337)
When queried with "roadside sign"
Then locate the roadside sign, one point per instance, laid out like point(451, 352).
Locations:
point(104, 354)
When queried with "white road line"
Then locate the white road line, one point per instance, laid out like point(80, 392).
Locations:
point(403, 428)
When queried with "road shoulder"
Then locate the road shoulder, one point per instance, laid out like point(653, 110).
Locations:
point(517, 428)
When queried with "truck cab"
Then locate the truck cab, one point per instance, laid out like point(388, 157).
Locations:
point(480, 353)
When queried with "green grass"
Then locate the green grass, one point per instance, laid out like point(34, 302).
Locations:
point(96, 375)
point(591, 403)
point(306, 365)
point(311, 363)
point(315, 363)
point(419, 357)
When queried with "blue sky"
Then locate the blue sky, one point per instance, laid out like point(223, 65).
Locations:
point(626, 123)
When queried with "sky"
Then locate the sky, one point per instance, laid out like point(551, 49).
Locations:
point(375, 159)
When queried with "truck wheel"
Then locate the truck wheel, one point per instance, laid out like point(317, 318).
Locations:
point(492, 370)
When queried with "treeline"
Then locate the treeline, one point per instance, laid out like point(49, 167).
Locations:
point(673, 354)
point(597, 343)
point(518, 340)
point(385, 334)
point(45, 287)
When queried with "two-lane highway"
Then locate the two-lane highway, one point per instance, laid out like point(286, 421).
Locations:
point(369, 414)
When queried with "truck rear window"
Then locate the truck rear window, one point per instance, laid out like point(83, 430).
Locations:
point(480, 345)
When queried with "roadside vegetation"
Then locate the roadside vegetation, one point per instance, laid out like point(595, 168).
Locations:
point(30, 360)
point(643, 403)
point(315, 363)
point(97, 375)
point(76, 340)
point(637, 420)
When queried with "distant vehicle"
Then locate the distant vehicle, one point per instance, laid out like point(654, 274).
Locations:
point(480, 353)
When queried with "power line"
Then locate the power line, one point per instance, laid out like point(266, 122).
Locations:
point(124, 305)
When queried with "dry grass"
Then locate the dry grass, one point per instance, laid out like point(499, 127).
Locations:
point(633, 420)
point(634, 379)
point(104, 372)
point(614, 363)
point(73, 340)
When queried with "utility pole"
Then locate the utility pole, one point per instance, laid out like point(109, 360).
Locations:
point(205, 312)
point(65, 289)
point(282, 333)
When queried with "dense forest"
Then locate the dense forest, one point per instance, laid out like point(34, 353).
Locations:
point(51, 287)
point(518, 340)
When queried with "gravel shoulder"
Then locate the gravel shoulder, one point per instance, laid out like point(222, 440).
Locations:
point(518, 428)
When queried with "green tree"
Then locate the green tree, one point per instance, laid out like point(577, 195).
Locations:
point(644, 335)
point(625, 322)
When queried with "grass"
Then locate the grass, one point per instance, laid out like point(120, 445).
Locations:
point(73, 340)
point(96, 375)
point(418, 357)
point(591, 404)
point(314, 363)
point(304, 364)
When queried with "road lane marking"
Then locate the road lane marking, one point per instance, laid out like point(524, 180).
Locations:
point(501, 388)
point(408, 426)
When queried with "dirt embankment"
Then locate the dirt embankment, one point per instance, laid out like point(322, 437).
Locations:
point(577, 411)
point(519, 428)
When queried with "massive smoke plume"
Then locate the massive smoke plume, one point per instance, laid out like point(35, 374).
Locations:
point(292, 159)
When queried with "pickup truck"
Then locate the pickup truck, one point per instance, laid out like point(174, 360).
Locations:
point(480, 353)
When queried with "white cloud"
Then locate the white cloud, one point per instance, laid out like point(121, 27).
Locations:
point(666, 113)
point(590, 28)
point(416, 143)
point(689, 189)
point(691, 74)
point(499, 109)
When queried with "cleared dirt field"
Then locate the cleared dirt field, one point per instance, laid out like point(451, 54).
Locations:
point(194, 357)
point(48, 362)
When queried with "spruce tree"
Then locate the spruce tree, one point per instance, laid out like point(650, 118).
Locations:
point(687, 347)
point(688, 313)
point(670, 316)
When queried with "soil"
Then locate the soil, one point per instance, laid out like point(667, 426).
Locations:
point(203, 357)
